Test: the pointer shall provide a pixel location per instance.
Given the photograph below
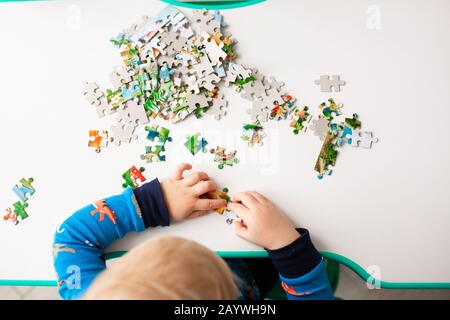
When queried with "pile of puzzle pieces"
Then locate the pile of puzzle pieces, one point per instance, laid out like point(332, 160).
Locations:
point(169, 71)
point(173, 68)
point(17, 211)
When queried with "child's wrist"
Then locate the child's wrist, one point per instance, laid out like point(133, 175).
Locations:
point(286, 239)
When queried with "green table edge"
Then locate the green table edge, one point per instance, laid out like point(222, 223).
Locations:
point(262, 254)
point(213, 5)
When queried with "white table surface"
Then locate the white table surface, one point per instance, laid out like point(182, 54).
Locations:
point(387, 207)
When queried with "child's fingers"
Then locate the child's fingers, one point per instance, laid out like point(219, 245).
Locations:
point(246, 198)
point(203, 187)
point(258, 196)
point(240, 229)
point(195, 177)
point(199, 213)
point(178, 174)
point(238, 208)
point(209, 204)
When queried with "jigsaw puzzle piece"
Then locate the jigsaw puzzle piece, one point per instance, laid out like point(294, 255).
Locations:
point(252, 133)
point(98, 139)
point(326, 84)
point(122, 134)
point(196, 143)
point(133, 177)
point(10, 215)
point(153, 154)
point(19, 209)
point(25, 189)
point(160, 133)
point(300, 120)
point(363, 139)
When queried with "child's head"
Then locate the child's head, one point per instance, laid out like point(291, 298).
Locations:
point(166, 268)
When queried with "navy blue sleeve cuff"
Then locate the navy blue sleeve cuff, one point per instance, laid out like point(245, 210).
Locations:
point(297, 258)
point(150, 199)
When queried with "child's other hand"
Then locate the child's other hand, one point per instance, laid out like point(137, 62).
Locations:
point(263, 223)
point(182, 195)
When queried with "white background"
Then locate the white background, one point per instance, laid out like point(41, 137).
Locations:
point(388, 206)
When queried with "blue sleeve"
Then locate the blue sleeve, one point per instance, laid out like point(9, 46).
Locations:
point(302, 270)
point(80, 241)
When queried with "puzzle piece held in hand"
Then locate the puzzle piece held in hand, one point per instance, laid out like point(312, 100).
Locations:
point(219, 195)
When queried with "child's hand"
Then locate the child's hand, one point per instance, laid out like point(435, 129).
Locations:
point(263, 223)
point(182, 195)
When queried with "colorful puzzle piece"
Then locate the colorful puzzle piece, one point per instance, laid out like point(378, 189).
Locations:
point(224, 158)
point(25, 188)
point(153, 154)
point(160, 133)
point(98, 139)
point(196, 143)
point(300, 119)
point(133, 177)
point(252, 133)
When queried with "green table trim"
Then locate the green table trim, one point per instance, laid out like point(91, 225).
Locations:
point(262, 254)
point(215, 5)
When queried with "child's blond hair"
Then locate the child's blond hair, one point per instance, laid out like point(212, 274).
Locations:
point(166, 268)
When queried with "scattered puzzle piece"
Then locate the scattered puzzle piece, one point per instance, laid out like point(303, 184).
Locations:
point(326, 84)
point(320, 127)
point(133, 177)
point(300, 119)
point(196, 143)
point(98, 139)
point(252, 133)
point(362, 139)
point(122, 134)
point(160, 133)
point(327, 156)
point(224, 158)
point(153, 154)
point(25, 189)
